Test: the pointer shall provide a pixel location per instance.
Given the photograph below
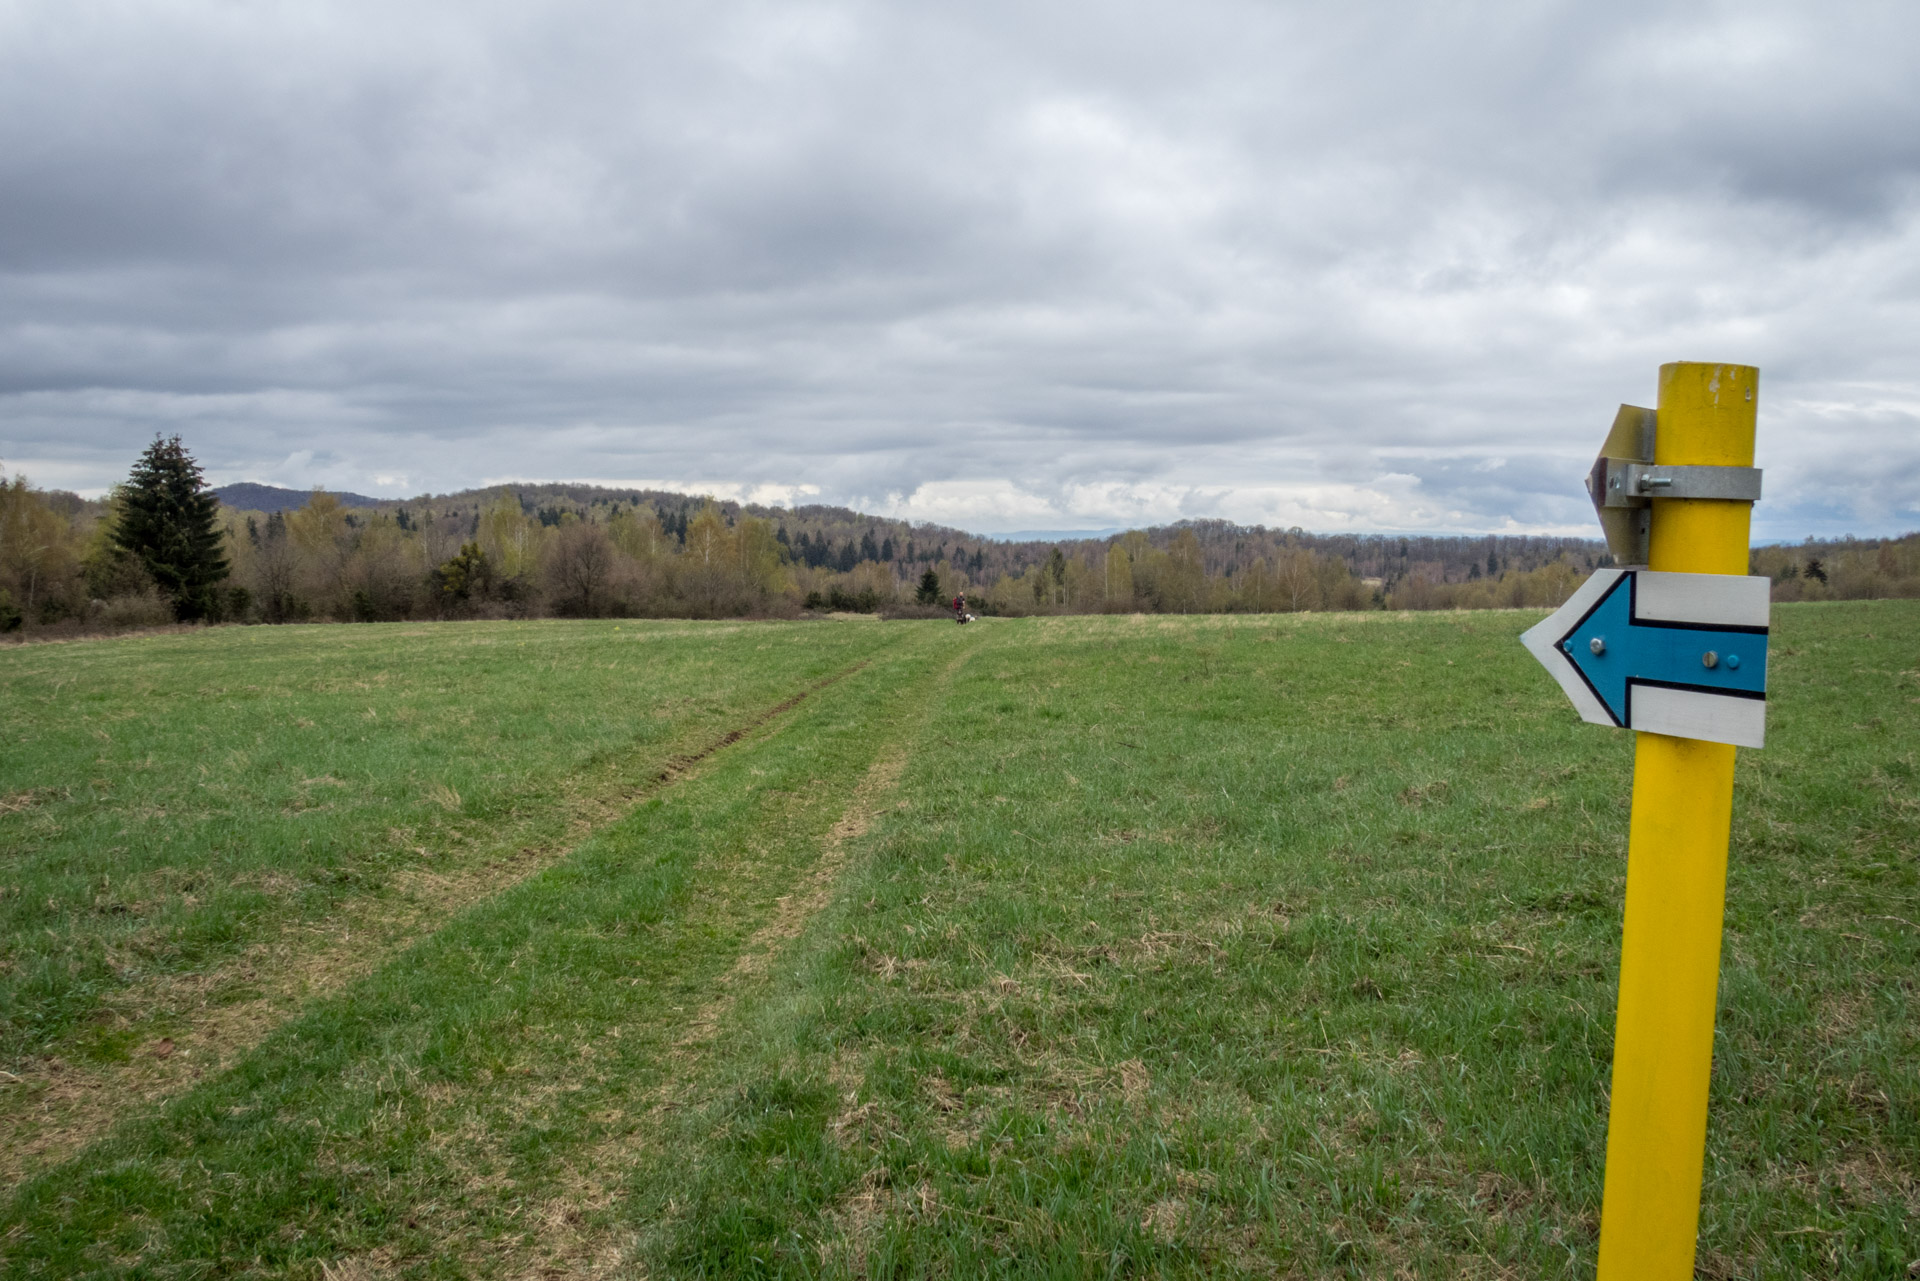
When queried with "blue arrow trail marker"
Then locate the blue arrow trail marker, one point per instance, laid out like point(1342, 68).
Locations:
point(1679, 654)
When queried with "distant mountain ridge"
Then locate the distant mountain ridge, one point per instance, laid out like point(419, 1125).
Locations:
point(821, 535)
point(249, 497)
point(1055, 535)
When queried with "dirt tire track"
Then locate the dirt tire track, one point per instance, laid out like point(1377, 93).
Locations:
point(70, 1106)
point(793, 911)
point(562, 1243)
point(678, 766)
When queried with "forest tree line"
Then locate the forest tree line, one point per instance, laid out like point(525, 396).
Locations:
point(73, 564)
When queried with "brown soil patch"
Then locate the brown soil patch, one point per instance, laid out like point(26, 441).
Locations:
point(20, 802)
point(50, 1114)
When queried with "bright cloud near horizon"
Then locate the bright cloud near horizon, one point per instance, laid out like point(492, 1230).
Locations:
point(1002, 266)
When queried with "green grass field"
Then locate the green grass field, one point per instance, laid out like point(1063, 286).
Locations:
point(1076, 947)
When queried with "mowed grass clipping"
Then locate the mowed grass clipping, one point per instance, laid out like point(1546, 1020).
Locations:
point(1075, 947)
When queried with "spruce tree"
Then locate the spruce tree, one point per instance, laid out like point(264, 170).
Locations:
point(928, 592)
point(167, 521)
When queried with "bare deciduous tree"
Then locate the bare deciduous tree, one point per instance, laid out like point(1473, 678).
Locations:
point(580, 566)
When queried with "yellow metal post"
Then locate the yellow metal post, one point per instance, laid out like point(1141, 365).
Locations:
point(1676, 877)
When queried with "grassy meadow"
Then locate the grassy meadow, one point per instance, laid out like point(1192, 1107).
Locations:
point(1075, 947)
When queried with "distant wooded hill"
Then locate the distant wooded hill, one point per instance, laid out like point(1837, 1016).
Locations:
point(585, 550)
point(820, 536)
point(249, 497)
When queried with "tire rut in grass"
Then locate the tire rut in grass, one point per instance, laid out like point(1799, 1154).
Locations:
point(793, 911)
point(566, 1242)
point(61, 1110)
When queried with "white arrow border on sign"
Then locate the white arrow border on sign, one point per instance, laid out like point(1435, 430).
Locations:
point(1543, 642)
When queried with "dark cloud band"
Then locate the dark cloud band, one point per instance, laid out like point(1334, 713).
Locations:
point(1343, 268)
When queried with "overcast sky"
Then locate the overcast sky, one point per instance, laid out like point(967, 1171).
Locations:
point(1002, 265)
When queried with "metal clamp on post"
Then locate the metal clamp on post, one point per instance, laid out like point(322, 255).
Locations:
point(1631, 484)
point(1625, 481)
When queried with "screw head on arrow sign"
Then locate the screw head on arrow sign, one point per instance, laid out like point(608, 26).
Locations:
point(1680, 654)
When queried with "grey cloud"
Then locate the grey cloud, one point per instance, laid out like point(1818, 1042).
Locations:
point(1274, 259)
